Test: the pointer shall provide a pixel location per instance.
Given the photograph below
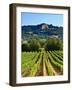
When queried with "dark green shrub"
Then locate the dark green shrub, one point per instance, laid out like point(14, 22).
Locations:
point(31, 45)
point(34, 45)
point(25, 47)
point(53, 44)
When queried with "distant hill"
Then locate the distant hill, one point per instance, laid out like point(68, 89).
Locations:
point(42, 30)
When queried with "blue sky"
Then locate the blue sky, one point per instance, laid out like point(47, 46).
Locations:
point(38, 18)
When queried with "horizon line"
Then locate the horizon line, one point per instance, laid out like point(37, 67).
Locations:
point(40, 24)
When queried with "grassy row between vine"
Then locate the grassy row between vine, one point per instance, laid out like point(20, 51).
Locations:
point(34, 62)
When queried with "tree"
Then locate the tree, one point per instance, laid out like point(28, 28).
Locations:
point(31, 45)
point(34, 45)
point(53, 44)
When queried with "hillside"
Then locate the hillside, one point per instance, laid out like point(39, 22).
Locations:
point(42, 31)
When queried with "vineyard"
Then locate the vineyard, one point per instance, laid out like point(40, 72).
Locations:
point(43, 63)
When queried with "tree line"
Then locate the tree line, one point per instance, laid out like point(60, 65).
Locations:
point(36, 44)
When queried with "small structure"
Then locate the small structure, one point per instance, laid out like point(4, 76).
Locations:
point(54, 36)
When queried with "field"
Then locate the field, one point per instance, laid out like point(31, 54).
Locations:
point(42, 63)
